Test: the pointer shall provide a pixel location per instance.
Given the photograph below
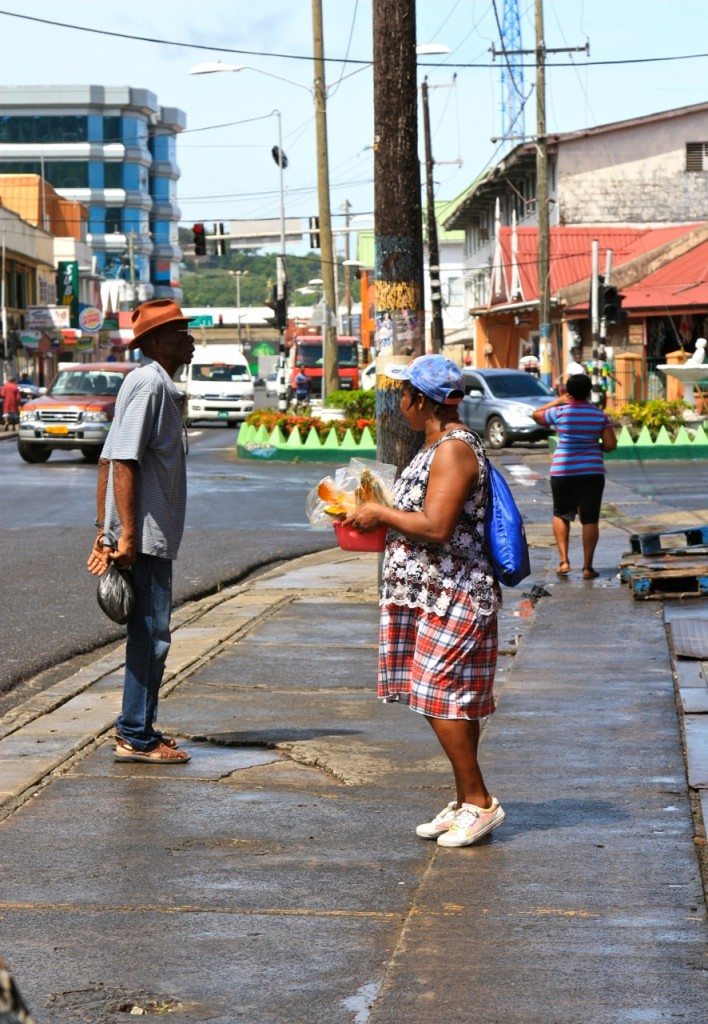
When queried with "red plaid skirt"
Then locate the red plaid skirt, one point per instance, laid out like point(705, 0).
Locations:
point(441, 666)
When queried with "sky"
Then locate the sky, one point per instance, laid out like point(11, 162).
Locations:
point(227, 171)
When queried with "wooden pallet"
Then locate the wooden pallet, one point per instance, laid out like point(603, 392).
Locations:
point(668, 559)
point(659, 582)
point(650, 543)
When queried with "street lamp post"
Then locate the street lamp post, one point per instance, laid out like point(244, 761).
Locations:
point(238, 274)
point(319, 96)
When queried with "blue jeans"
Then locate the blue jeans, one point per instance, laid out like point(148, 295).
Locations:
point(146, 650)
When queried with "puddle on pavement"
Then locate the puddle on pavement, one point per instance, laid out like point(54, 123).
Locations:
point(362, 1001)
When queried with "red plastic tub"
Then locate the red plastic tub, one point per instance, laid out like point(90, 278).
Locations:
point(350, 539)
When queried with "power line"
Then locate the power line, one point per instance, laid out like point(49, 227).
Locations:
point(332, 60)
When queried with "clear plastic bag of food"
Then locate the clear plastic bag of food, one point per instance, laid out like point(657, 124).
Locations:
point(115, 594)
point(337, 496)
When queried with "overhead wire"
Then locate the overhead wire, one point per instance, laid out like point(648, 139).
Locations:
point(133, 37)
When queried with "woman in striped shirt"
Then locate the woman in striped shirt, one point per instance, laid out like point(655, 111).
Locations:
point(577, 468)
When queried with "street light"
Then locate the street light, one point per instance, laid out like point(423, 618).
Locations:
point(214, 67)
point(238, 274)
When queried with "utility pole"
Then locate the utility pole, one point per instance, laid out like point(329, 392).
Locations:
point(347, 265)
point(437, 330)
point(398, 220)
point(542, 212)
point(542, 207)
point(329, 329)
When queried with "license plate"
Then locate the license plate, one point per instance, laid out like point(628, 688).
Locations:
point(223, 415)
point(57, 430)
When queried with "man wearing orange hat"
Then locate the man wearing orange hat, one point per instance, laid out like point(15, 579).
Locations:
point(141, 502)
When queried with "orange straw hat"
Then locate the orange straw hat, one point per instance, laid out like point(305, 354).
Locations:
point(155, 313)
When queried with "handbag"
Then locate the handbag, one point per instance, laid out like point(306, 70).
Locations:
point(504, 532)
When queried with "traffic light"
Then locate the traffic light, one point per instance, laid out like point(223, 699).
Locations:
point(279, 307)
point(199, 240)
point(611, 304)
point(314, 225)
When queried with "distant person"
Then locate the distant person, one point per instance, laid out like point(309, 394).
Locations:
point(10, 404)
point(140, 501)
point(439, 596)
point(302, 386)
point(529, 362)
point(573, 367)
point(24, 379)
point(577, 468)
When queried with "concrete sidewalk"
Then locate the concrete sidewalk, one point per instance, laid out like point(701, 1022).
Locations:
point(277, 879)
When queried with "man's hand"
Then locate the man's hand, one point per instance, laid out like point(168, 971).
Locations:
point(125, 554)
point(98, 560)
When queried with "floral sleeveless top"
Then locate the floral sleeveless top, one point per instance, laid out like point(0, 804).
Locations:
point(426, 575)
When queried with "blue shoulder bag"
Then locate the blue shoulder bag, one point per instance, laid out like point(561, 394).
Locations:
point(504, 532)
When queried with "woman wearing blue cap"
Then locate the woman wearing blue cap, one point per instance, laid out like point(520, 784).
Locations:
point(439, 596)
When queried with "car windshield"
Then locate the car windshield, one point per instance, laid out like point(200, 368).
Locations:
point(517, 385)
point(309, 353)
point(219, 372)
point(87, 382)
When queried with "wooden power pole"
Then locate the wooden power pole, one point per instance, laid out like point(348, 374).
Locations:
point(542, 213)
point(400, 313)
point(329, 329)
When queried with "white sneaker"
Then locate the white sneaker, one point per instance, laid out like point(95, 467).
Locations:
point(440, 823)
point(470, 823)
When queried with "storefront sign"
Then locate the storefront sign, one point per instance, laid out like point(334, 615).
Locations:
point(90, 319)
point(47, 318)
point(68, 288)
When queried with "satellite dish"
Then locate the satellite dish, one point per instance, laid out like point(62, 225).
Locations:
point(279, 157)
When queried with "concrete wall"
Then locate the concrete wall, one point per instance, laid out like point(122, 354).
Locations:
point(633, 175)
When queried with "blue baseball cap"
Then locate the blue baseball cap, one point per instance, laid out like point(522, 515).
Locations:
point(438, 378)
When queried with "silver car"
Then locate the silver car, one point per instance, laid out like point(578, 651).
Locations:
point(498, 405)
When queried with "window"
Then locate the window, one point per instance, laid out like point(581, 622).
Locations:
point(59, 173)
point(112, 176)
point(455, 291)
point(42, 128)
point(112, 129)
point(114, 221)
point(696, 156)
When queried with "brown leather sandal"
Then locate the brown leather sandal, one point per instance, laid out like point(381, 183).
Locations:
point(159, 754)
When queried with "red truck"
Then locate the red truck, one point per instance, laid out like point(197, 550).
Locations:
point(307, 352)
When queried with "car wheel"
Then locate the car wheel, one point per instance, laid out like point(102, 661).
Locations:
point(91, 454)
point(33, 452)
point(497, 433)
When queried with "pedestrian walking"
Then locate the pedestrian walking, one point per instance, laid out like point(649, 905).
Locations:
point(577, 467)
point(302, 386)
point(10, 404)
point(141, 500)
point(439, 597)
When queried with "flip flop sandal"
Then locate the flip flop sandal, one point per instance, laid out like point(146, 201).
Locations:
point(589, 574)
point(159, 754)
point(560, 571)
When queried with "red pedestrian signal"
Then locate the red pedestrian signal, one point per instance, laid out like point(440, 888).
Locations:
point(199, 240)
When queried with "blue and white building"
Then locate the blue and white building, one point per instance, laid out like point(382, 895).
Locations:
point(112, 148)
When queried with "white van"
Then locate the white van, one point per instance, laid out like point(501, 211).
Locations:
point(218, 384)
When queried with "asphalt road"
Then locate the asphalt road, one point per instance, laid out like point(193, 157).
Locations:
point(240, 517)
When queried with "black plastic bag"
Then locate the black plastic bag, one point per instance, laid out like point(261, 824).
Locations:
point(115, 594)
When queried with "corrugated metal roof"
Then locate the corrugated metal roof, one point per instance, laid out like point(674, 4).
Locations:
point(571, 247)
point(684, 278)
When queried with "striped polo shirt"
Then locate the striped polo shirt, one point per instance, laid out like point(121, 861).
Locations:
point(578, 425)
point(147, 429)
